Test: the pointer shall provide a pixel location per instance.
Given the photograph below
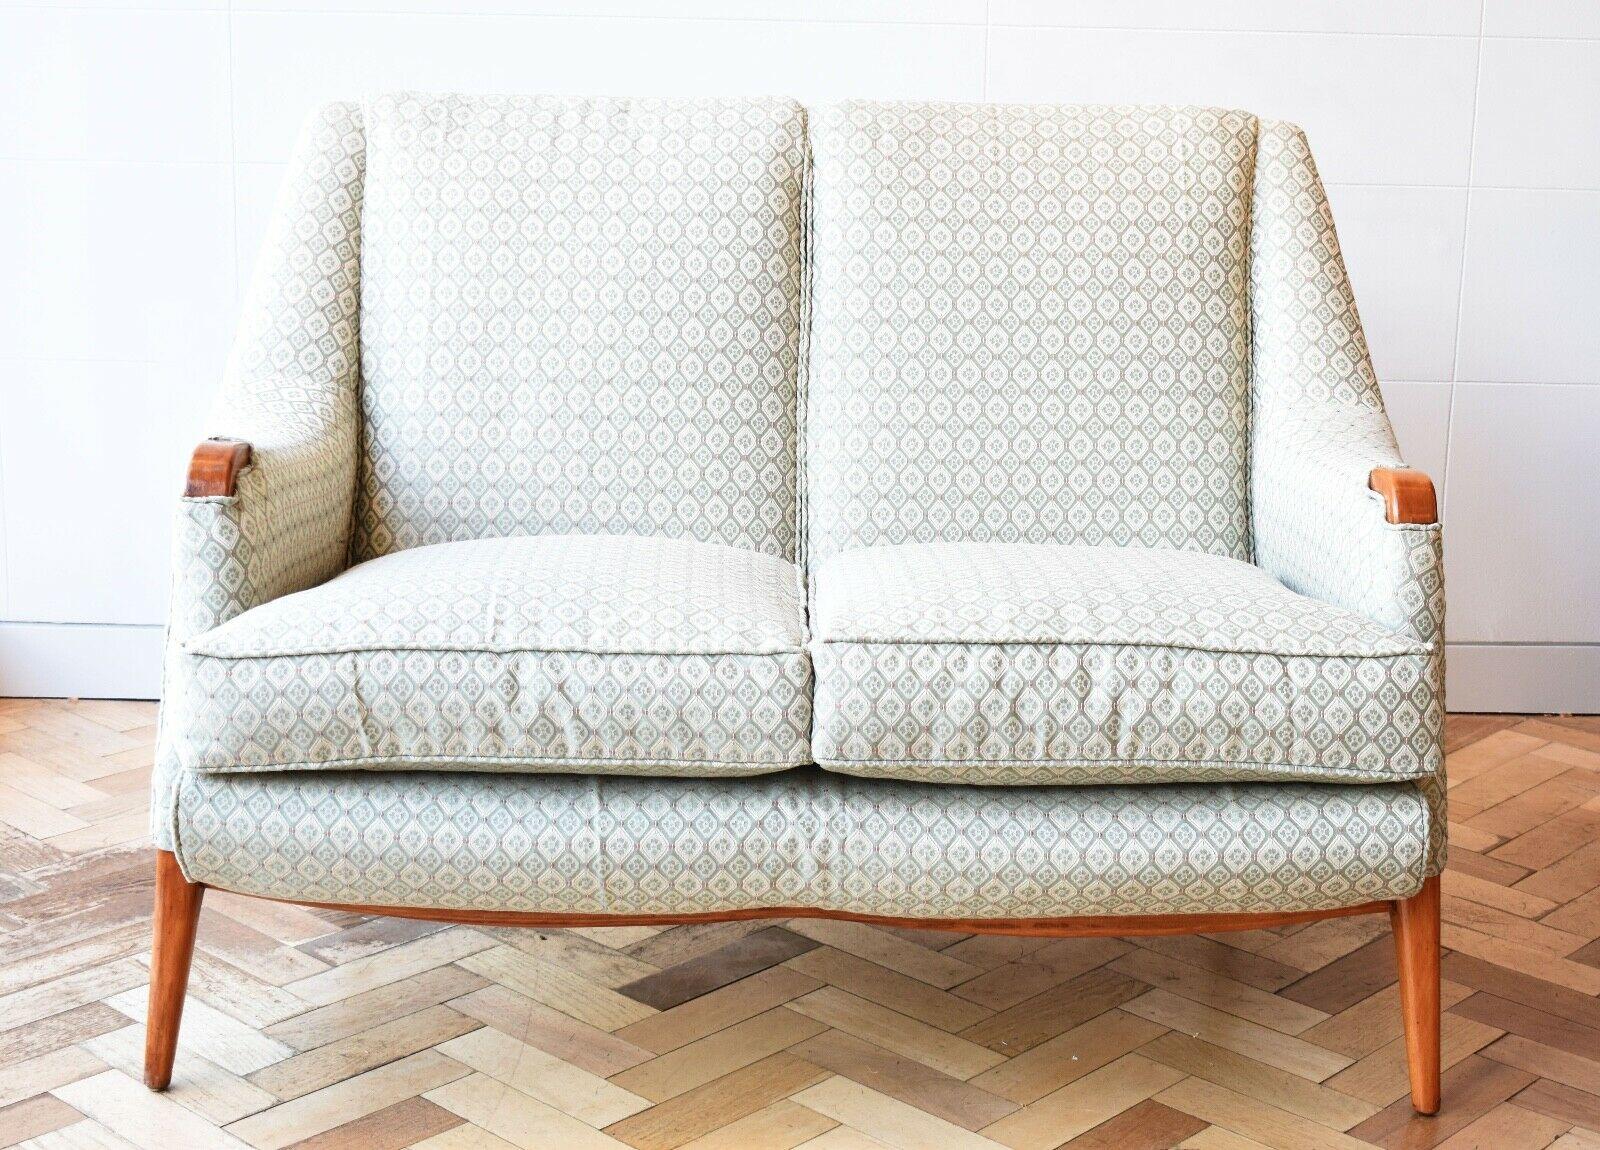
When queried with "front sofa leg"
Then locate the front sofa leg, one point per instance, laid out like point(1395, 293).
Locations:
point(177, 915)
point(1416, 939)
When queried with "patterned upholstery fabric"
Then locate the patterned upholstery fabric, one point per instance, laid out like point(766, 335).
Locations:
point(503, 317)
point(552, 653)
point(290, 391)
point(1029, 324)
point(1318, 428)
point(801, 838)
point(1318, 423)
point(1025, 663)
point(580, 316)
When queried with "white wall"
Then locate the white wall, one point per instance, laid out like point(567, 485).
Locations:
point(141, 144)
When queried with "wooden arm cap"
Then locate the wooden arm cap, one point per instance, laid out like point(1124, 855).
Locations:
point(1407, 495)
point(214, 468)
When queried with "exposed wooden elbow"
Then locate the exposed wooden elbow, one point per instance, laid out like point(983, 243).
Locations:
point(1407, 494)
point(214, 468)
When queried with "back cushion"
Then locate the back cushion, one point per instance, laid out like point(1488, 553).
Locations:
point(580, 315)
point(1029, 324)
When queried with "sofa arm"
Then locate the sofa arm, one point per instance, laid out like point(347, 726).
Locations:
point(261, 518)
point(267, 505)
point(1407, 494)
point(1336, 516)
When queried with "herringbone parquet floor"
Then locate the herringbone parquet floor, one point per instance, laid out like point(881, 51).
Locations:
point(333, 1032)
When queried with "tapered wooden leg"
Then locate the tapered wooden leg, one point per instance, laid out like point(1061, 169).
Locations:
point(176, 917)
point(1416, 940)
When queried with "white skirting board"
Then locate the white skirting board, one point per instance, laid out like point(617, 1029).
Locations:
point(83, 660)
point(1561, 678)
point(96, 661)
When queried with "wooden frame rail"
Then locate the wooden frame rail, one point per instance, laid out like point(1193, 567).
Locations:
point(1415, 922)
point(1084, 927)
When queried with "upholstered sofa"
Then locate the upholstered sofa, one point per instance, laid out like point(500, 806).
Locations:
point(980, 518)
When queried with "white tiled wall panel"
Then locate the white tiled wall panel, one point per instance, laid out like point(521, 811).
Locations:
point(1530, 299)
point(1380, 109)
point(141, 143)
point(1420, 413)
point(283, 61)
point(147, 86)
point(1574, 18)
point(1438, 17)
point(116, 261)
point(1539, 114)
point(116, 572)
point(1403, 245)
point(1523, 555)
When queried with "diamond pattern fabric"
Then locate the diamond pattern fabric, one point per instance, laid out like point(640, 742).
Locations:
point(1022, 663)
point(1030, 324)
point(1119, 596)
point(1069, 370)
point(580, 316)
point(802, 838)
point(1318, 428)
point(552, 653)
point(290, 392)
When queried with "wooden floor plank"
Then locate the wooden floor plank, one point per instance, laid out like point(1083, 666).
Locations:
point(214, 1093)
point(719, 1053)
point(393, 1128)
point(38, 1115)
point(910, 1081)
point(720, 1008)
point(1082, 1105)
point(752, 953)
point(887, 1120)
point(322, 1110)
point(575, 1092)
point(1475, 1085)
point(939, 1049)
point(714, 1105)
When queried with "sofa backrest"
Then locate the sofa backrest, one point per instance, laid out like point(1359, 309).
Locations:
point(1029, 324)
point(580, 315)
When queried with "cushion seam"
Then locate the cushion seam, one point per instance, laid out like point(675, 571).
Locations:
point(397, 648)
point(1410, 652)
point(1215, 763)
point(516, 760)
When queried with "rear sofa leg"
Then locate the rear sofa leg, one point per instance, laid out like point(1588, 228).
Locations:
point(1416, 939)
point(177, 915)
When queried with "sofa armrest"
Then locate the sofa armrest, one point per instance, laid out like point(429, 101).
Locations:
point(261, 517)
point(1407, 495)
point(267, 505)
point(1337, 516)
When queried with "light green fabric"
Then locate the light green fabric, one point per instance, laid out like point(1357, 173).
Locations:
point(580, 315)
point(552, 653)
point(1033, 325)
point(1318, 428)
point(562, 843)
point(1029, 324)
point(1008, 663)
point(290, 392)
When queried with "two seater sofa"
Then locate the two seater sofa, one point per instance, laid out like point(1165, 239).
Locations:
point(653, 511)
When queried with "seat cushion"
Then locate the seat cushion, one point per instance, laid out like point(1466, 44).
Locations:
point(555, 653)
point(1022, 663)
point(798, 839)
